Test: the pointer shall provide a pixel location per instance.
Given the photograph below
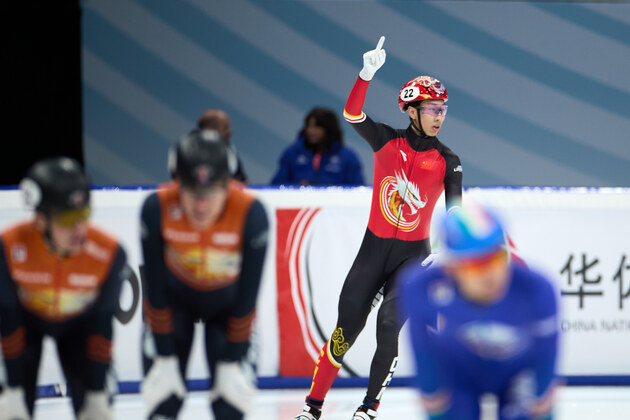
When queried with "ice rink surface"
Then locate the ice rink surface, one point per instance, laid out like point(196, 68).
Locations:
point(574, 403)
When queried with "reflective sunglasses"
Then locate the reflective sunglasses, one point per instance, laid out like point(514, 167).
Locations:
point(479, 265)
point(70, 218)
point(436, 110)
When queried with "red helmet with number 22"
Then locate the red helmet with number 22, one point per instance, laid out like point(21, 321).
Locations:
point(419, 89)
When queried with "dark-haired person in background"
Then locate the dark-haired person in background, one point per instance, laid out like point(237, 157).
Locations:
point(318, 156)
point(217, 119)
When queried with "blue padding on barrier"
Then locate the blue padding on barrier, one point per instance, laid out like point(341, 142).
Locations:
point(354, 382)
point(279, 382)
point(44, 391)
point(276, 382)
point(129, 387)
point(597, 380)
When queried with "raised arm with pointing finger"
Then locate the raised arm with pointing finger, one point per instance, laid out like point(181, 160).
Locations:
point(372, 61)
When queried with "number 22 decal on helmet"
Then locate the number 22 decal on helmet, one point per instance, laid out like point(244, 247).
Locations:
point(419, 89)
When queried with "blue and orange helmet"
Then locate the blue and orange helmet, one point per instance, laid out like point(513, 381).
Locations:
point(472, 232)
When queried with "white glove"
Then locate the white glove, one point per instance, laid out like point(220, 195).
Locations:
point(13, 404)
point(430, 260)
point(162, 381)
point(373, 60)
point(231, 383)
point(95, 406)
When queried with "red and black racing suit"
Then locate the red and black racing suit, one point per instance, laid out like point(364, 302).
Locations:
point(410, 173)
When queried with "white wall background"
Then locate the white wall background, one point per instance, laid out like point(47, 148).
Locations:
point(548, 226)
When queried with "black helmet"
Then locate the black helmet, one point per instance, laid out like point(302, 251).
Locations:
point(54, 185)
point(200, 159)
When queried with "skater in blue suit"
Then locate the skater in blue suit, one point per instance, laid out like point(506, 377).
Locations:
point(496, 330)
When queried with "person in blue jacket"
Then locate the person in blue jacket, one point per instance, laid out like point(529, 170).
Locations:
point(318, 156)
point(496, 330)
